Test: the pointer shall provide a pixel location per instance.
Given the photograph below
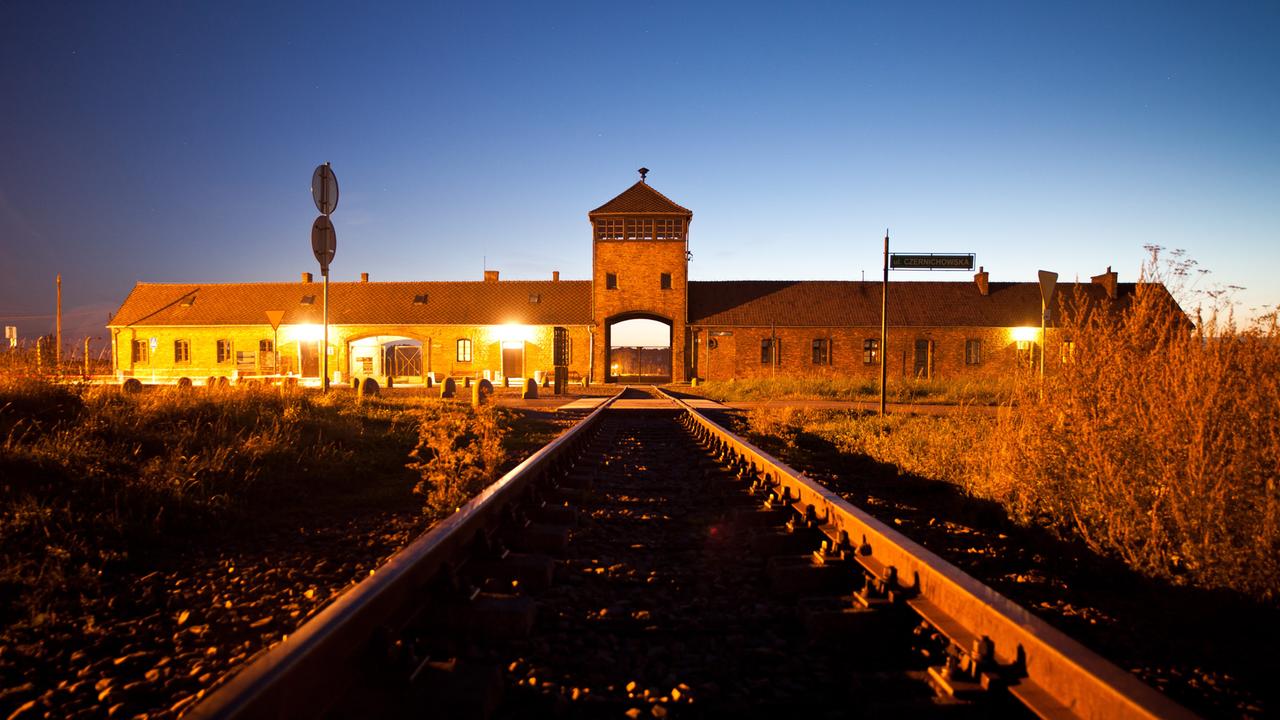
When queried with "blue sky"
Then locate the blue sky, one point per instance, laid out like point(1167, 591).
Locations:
point(168, 142)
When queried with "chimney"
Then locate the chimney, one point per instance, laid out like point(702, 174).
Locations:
point(1107, 280)
point(306, 277)
point(364, 277)
point(555, 276)
point(491, 276)
point(980, 278)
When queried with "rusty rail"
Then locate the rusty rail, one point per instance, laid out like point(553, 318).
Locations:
point(1053, 675)
point(307, 672)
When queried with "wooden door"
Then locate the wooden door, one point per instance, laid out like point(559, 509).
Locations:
point(924, 359)
point(513, 361)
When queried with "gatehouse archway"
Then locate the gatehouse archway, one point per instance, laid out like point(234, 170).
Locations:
point(638, 348)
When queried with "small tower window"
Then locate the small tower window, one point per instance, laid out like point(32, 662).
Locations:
point(666, 281)
point(611, 281)
point(609, 229)
point(638, 229)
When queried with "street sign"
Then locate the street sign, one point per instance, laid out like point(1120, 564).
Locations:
point(11, 334)
point(274, 317)
point(324, 189)
point(1048, 282)
point(324, 242)
point(154, 343)
point(931, 261)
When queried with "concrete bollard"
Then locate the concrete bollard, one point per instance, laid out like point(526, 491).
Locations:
point(481, 393)
point(184, 383)
point(132, 386)
point(466, 382)
point(530, 389)
point(223, 382)
point(211, 382)
point(368, 389)
point(448, 388)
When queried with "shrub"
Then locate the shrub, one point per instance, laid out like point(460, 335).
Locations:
point(459, 453)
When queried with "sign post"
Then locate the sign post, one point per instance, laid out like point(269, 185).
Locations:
point(324, 245)
point(1048, 283)
point(908, 261)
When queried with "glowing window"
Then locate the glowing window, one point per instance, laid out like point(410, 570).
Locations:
point(870, 351)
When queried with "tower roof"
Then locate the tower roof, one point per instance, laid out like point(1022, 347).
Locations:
point(640, 199)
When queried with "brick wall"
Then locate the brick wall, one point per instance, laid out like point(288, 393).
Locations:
point(739, 354)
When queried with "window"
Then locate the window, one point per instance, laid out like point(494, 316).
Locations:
point(638, 229)
point(420, 299)
point(821, 351)
point(766, 351)
point(666, 281)
point(267, 349)
point(245, 361)
point(535, 298)
point(141, 351)
point(870, 351)
point(611, 281)
point(609, 229)
point(972, 352)
point(224, 351)
point(464, 350)
point(672, 229)
point(182, 351)
point(1068, 351)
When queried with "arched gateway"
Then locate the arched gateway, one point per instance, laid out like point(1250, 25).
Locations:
point(640, 271)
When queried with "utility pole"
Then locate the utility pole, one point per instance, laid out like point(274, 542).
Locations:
point(57, 351)
point(884, 326)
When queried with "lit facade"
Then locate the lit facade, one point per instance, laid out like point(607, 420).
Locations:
point(403, 332)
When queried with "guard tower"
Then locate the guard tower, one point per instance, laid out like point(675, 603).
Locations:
point(640, 264)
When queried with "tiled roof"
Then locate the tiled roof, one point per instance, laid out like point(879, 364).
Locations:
point(822, 303)
point(356, 303)
point(640, 198)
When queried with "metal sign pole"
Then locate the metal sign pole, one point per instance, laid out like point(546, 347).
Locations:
point(324, 351)
point(884, 325)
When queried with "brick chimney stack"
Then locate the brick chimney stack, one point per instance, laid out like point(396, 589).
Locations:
point(491, 276)
point(364, 277)
point(1107, 280)
point(980, 278)
point(555, 276)
point(306, 277)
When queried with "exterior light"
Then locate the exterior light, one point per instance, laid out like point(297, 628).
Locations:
point(514, 333)
point(1024, 334)
point(305, 332)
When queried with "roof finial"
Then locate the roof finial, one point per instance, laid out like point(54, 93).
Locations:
point(643, 171)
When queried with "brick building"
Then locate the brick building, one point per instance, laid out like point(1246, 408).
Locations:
point(501, 329)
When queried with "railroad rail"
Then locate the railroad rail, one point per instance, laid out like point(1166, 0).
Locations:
point(388, 642)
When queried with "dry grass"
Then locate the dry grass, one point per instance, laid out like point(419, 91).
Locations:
point(1159, 444)
point(89, 475)
point(986, 391)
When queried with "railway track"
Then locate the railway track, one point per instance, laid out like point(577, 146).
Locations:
point(647, 564)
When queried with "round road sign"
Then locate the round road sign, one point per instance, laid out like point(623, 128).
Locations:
point(324, 189)
point(324, 241)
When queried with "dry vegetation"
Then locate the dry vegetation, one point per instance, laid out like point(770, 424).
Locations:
point(985, 391)
point(1159, 444)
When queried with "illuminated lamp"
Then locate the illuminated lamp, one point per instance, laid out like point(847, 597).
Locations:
point(513, 333)
point(1024, 336)
point(305, 332)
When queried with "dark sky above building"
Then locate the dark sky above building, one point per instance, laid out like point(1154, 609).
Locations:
point(162, 141)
